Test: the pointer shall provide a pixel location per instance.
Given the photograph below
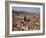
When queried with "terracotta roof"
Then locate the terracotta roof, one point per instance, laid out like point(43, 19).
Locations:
point(19, 17)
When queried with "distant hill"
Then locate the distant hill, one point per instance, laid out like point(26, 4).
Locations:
point(23, 12)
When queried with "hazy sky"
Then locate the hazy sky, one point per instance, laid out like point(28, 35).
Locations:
point(27, 9)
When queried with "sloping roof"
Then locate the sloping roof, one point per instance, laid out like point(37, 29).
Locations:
point(19, 17)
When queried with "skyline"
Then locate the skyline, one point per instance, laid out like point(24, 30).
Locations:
point(27, 9)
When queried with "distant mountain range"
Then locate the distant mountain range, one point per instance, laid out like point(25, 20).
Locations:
point(22, 12)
